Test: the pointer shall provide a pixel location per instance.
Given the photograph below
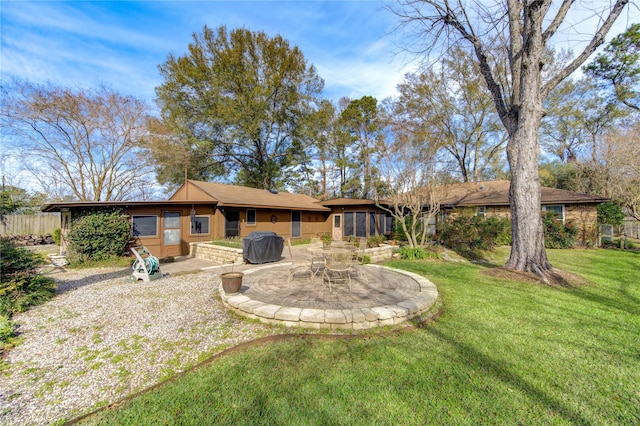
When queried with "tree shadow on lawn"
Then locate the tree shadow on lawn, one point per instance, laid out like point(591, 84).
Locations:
point(478, 361)
point(64, 286)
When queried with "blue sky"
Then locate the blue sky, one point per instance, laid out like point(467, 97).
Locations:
point(121, 44)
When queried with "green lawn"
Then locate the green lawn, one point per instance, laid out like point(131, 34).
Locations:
point(502, 352)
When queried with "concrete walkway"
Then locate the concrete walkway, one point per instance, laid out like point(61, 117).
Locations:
point(386, 297)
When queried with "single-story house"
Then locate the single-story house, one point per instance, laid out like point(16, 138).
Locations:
point(204, 211)
point(491, 198)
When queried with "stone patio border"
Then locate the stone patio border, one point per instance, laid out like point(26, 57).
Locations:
point(356, 319)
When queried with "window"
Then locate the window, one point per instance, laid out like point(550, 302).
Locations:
point(373, 230)
point(431, 222)
point(556, 209)
point(296, 219)
point(388, 226)
point(361, 224)
point(145, 226)
point(481, 211)
point(348, 224)
point(336, 221)
point(200, 225)
point(251, 217)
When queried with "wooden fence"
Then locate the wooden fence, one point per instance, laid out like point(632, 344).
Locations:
point(19, 224)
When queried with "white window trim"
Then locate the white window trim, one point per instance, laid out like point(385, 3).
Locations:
point(544, 209)
point(196, 216)
point(255, 217)
point(481, 211)
point(146, 215)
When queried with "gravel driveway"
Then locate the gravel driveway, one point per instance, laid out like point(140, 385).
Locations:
point(104, 337)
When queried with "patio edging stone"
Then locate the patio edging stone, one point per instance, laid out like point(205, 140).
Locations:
point(314, 318)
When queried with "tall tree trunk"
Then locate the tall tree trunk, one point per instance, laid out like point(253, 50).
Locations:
point(523, 151)
point(527, 249)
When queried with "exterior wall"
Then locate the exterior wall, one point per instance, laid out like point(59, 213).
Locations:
point(585, 217)
point(279, 221)
point(156, 245)
point(503, 212)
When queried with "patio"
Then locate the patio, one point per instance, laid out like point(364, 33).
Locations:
point(386, 297)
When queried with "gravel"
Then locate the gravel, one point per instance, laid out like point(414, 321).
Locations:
point(104, 337)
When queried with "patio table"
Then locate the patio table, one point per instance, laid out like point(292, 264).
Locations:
point(321, 259)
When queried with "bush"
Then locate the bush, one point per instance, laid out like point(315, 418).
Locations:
point(556, 234)
point(376, 240)
point(417, 253)
point(98, 236)
point(57, 236)
point(470, 233)
point(7, 329)
point(610, 213)
point(21, 285)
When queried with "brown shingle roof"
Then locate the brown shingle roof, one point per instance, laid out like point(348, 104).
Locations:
point(496, 193)
point(241, 196)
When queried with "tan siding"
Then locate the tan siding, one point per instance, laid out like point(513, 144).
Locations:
point(313, 223)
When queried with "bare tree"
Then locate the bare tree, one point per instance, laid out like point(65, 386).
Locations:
point(454, 100)
point(618, 161)
point(409, 168)
point(82, 139)
point(522, 30)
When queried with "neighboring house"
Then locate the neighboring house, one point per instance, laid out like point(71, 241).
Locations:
point(491, 198)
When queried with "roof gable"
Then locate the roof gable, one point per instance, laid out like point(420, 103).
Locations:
point(242, 196)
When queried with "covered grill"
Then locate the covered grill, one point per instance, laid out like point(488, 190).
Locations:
point(262, 247)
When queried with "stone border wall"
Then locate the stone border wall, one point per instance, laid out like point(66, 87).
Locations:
point(379, 254)
point(215, 253)
point(225, 255)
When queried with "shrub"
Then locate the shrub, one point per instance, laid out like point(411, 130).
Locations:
point(610, 213)
point(98, 236)
point(7, 329)
point(57, 236)
point(376, 240)
point(398, 232)
point(21, 285)
point(556, 234)
point(417, 253)
point(470, 233)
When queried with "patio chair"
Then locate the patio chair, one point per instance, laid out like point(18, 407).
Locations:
point(359, 261)
point(300, 267)
point(337, 268)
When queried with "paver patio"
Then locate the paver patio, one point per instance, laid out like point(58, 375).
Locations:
point(387, 297)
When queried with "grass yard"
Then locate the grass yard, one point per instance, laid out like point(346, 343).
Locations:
point(502, 352)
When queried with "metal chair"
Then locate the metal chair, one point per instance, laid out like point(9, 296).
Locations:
point(337, 267)
point(299, 267)
point(359, 261)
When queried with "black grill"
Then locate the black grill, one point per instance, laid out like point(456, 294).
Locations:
point(262, 247)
